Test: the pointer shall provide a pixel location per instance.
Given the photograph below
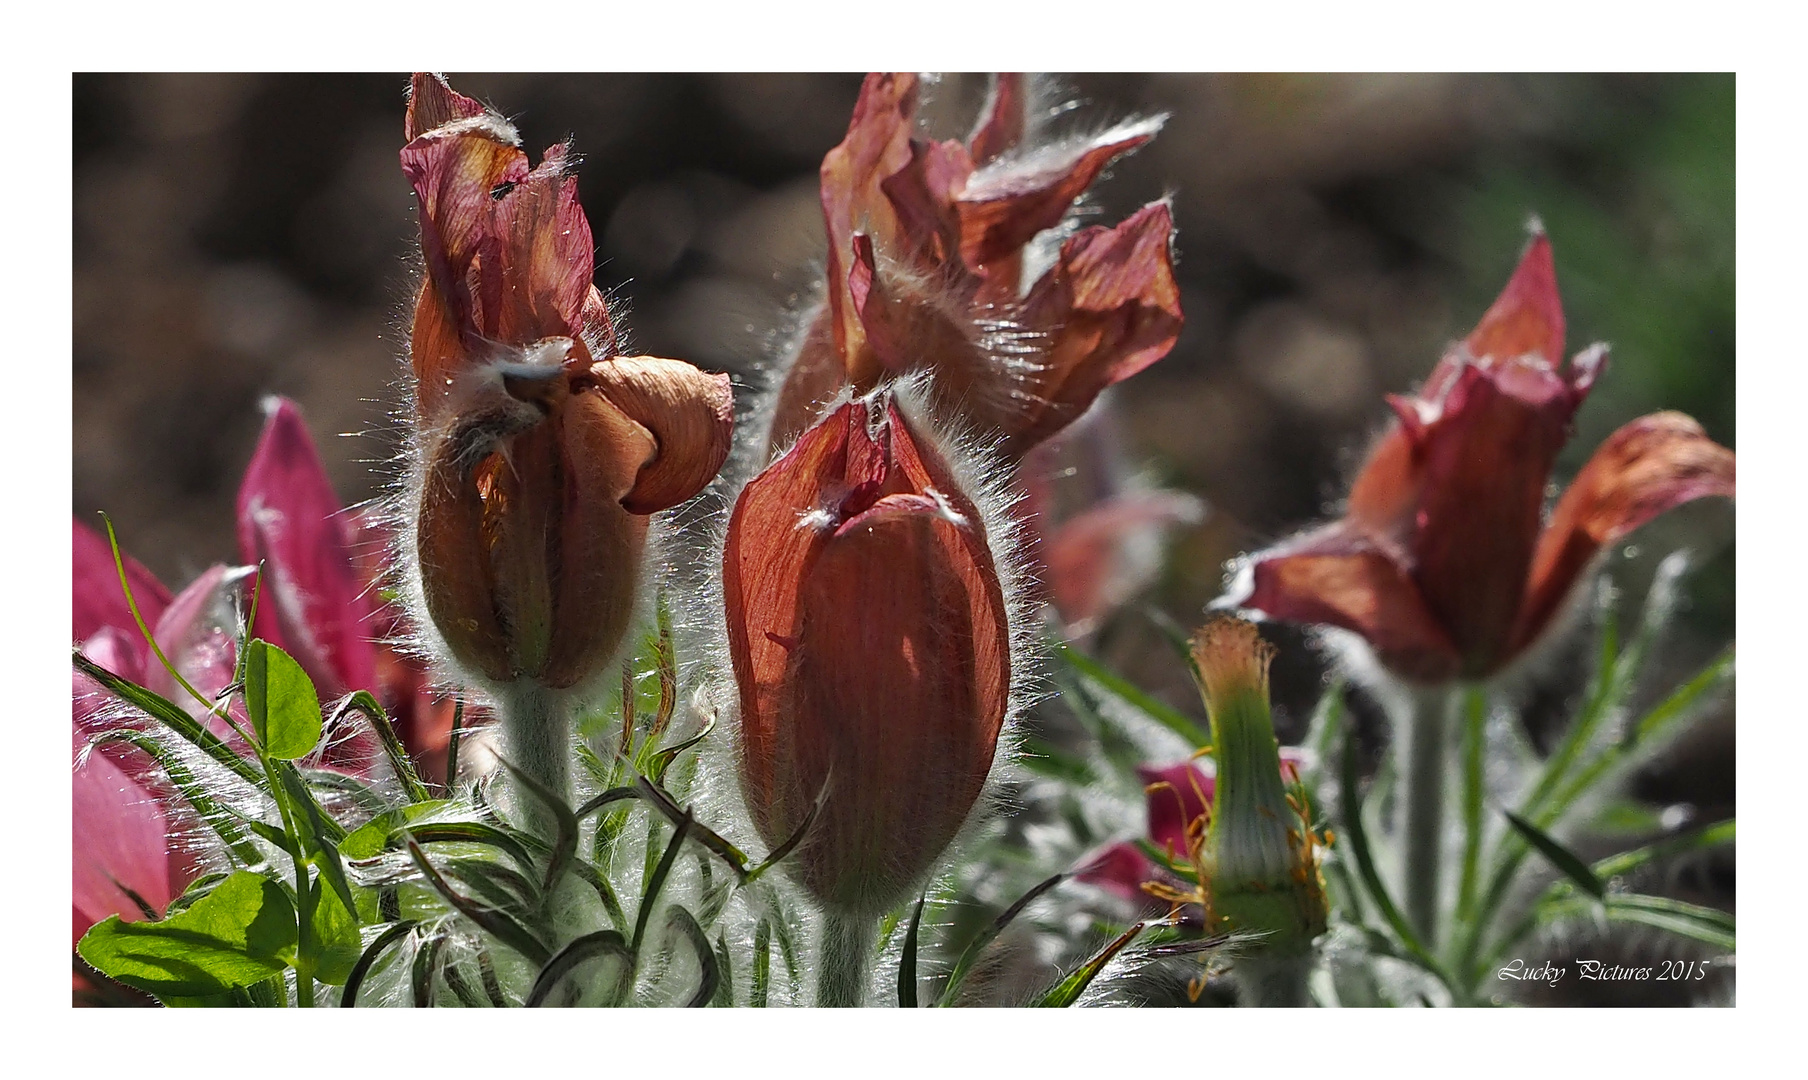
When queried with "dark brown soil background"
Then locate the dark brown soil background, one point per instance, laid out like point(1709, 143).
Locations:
point(242, 235)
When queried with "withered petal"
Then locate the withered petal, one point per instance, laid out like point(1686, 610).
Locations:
point(1111, 307)
point(690, 414)
point(540, 280)
point(1336, 576)
point(877, 145)
point(1651, 465)
point(455, 564)
point(432, 103)
point(1003, 119)
point(923, 195)
point(816, 378)
point(600, 538)
point(1004, 206)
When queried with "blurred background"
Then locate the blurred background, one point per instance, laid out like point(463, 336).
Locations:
point(242, 235)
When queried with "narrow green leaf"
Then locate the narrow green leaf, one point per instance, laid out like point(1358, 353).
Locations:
point(1722, 832)
point(681, 920)
point(354, 980)
point(656, 881)
point(662, 801)
point(1161, 713)
point(226, 825)
point(907, 959)
point(239, 934)
point(365, 703)
point(661, 761)
point(970, 955)
point(762, 964)
point(169, 715)
point(425, 969)
point(280, 698)
point(565, 840)
point(1068, 990)
point(567, 959)
point(1561, 857)
point(503, 927)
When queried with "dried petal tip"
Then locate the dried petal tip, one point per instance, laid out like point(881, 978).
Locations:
point(1231, 659)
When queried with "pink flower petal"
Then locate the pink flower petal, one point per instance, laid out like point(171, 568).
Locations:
point(99, 601)
point(313, 602)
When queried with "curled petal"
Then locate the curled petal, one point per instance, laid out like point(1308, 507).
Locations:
point(1337, 576)
point(1646, 467)
point(604, 450)
point(98, 600)
point(313, 602)
point(1112, 307)
point(538, 256)
point(923, 194)
point(877, 145)
point(690, 414)
point(433, 103)
point(909, 328)
point(1004, 206)
point(1004, 118)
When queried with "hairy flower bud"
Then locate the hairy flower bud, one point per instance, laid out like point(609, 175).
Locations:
point(867, 626)
point(542, 454)
point(1261, 855)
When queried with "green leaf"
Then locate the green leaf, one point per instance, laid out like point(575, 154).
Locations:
point(656, 881)
point(336, 941)
point(970, 956)
point(425, 969)
point(907, 959)
point(169, 715)
point(1163, 714)
point(366, 703)
point(562, 963)
point(762, 964)
point(1721, 832)
point(501, 926)
point(1068, 990)
point(241, 933)
point(225, 824)
point(1561, 857)
point(686, 924)
point(354, 980)
point(280, 698)
point(661, 761)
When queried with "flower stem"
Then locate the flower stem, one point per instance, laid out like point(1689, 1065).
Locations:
point(1424, 811)
point(536, 736)
point(847, 948)
point(1274, 982)
point(1473, 702)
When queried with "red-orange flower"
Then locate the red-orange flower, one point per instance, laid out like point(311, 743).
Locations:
point(542, 453)
point(1443, 560)
point(867, 627)
point(926, 268)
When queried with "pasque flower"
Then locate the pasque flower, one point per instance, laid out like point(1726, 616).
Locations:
point(927, 261)
point(1443, 559)
point(541, 453)
point(867, 627)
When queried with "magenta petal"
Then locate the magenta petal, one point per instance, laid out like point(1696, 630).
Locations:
point(312, 602)
point(98, 599)
point(1184, 795)
point(1119, 869)
point(119, 837)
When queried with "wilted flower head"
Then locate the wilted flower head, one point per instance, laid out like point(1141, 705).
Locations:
point(928, 262)
point(867, 627)
point(542, 452)
point(1443, 560)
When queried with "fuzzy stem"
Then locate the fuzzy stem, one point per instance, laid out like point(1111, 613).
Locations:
point(536, 737)
point(1274, 982)
point(847, 947)
point(1473, 702)
point(1424, 811)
